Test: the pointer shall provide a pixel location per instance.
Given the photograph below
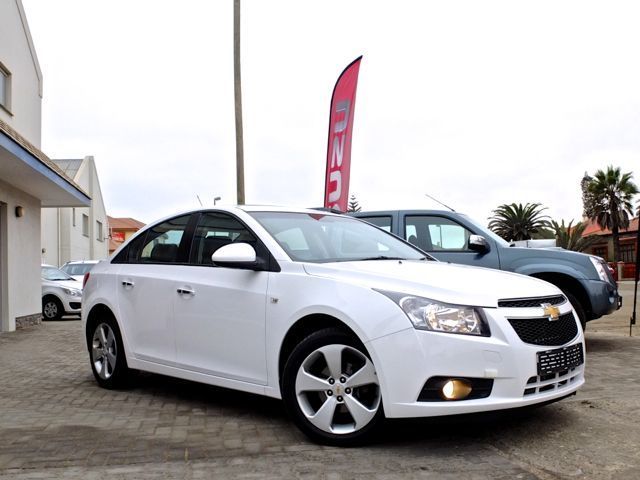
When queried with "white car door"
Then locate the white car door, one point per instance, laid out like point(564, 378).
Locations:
point(146, 290)
point(220, 312)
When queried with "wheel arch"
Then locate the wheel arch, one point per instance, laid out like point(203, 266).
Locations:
point(568, 283)
point(304, 327)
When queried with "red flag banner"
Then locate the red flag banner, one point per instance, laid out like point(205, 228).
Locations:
point(343, 102)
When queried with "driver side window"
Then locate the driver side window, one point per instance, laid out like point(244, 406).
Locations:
point(434, 234)
point(215, 230)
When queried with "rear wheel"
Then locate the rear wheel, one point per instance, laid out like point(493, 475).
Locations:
point(52, 308)
point(331, 389)
point(108, 361)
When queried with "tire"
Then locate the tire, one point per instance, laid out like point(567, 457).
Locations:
point(331, 389)
point(52, 308)
point(106, 354)
point(577, 306)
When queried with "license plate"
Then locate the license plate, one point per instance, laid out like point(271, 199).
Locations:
point(553, 361)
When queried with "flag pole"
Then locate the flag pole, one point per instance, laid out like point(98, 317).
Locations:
point(632, 320)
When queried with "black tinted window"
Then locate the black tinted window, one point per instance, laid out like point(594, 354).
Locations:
point(162, 242)
point(382, 222)
point(216, 230)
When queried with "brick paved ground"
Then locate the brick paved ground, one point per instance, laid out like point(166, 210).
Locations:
point(56, 422)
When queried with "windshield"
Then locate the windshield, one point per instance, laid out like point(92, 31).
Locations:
point(321, 238)
point(77, 268)
point(486, 231)
point(52, 273)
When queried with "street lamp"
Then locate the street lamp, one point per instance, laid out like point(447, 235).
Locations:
point(215, 200)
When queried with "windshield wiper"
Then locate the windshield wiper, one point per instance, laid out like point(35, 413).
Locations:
point(382, 257)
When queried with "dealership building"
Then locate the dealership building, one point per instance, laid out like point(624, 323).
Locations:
point(29, 180)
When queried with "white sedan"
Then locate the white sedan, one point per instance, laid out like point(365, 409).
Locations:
point(331, 314)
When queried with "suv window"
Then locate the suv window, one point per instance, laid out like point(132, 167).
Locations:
point(162, 242)
point(434, 234)
point(382, 222)
point(216, 230)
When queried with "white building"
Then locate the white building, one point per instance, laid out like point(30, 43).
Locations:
point(76, 233)
point(28, 179)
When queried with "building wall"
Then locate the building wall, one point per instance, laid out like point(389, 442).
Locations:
point(61, 239)
point(18, 56)
point(19, 252)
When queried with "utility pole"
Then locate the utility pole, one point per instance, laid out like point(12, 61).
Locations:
point(238, 103)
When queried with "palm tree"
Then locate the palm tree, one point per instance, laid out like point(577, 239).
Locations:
point(570, 237)
point(612, 195)
point(518, 222)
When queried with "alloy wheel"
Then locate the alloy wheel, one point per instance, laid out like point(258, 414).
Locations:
point(104, 351)
point(337, 389)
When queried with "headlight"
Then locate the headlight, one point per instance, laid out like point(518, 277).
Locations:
point(600, 267)
point(426, 314)
point(73, 292)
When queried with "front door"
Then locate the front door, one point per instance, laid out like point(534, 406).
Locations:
point(220, 314)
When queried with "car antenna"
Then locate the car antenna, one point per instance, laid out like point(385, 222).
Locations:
point(438, 201)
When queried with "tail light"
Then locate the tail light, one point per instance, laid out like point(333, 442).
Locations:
point(85, 279)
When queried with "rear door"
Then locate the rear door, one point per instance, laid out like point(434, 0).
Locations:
point(147, 289)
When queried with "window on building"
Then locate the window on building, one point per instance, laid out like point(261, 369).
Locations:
point(601, 251)
point(627, 253)
point(85, 225)
point(5, 87)
point(99, 235)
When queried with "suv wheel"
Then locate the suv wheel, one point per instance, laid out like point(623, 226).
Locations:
point(331, 389)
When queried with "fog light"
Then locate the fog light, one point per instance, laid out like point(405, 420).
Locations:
point(456, 389)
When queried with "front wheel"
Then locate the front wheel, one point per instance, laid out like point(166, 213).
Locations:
point(106, 351)
point(331, 389)
point(52, 308)
point(577, 306)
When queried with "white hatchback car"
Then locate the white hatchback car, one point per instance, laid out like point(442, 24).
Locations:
point(331, 314)
point(61, 293)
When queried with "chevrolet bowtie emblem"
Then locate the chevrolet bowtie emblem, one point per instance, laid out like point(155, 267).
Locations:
point(551, 311)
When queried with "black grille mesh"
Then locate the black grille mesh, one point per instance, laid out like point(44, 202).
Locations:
point(531, 302)
point(542, 331)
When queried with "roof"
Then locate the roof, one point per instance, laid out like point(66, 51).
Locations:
point(125, 223)
point(594, 229)
point(22, 160)
point(69, 167)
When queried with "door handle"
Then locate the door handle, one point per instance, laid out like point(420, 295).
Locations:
point(127, 283)
point(186, 291)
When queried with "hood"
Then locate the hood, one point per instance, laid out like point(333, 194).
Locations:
point(456, 284)
point(63, 283)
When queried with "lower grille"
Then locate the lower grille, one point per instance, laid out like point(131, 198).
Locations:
point(542, 331)
point(553, 381)
point(75, 305)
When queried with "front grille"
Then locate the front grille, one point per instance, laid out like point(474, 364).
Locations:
point(531, 302)
point(542, 331)
point(554, 381)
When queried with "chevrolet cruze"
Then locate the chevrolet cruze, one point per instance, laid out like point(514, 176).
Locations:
point(344, 322)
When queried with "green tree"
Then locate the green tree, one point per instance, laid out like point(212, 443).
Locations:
point(612, 196)
point(570, 236)
point(353, 206)
point(518, 222)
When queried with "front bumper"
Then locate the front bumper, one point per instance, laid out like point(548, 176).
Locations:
point(604, 296)
point(407, 359)
point(72, 305)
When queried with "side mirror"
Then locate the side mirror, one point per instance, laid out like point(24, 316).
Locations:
point(479, 244)
point(237, 255)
